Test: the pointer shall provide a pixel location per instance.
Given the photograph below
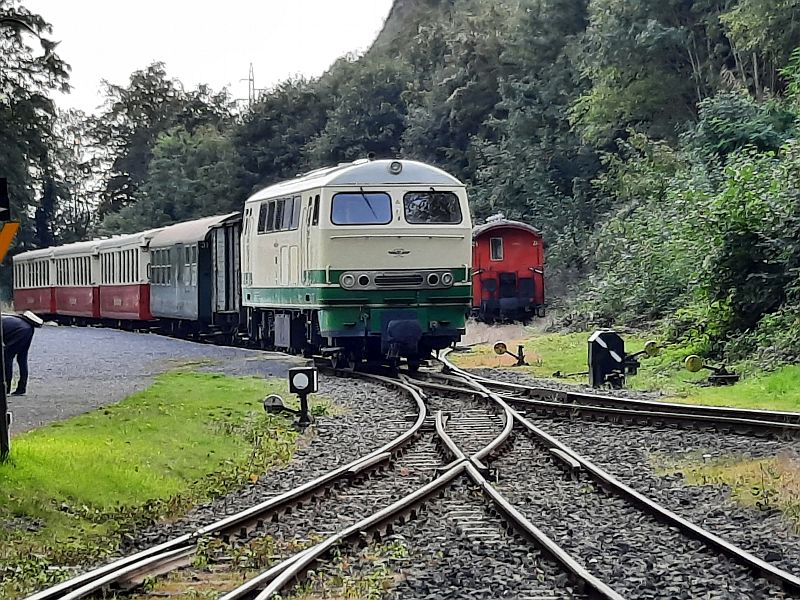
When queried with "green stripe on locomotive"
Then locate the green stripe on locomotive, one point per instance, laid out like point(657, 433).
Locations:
point(342, 310)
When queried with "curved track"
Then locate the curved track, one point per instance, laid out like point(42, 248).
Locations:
point(463, 429)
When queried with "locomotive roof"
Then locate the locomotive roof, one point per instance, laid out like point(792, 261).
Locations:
point(501, 223)
point(361, 172)
point(189, 232)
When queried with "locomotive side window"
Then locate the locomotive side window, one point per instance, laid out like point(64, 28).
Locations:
point(298, 202)
point(315, 218)
point(496, 248)
point(432, 207)
point(262, 217)
point(360, 208)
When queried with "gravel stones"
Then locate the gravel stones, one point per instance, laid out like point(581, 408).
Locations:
point(630, 551)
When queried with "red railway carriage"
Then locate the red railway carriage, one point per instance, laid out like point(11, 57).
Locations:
point(507, 270)
point(123, 268)
point(73, 281)
point(33, 289)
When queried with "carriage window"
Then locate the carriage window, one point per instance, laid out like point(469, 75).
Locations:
point(187, 265)
point(194, 265)
point(361, 208)
point(496, 248)
point(432, 207)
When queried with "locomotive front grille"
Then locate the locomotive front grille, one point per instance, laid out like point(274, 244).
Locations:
point(399, 279)
point(396, 280)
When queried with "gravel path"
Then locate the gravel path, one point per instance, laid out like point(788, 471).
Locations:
point(76, 369)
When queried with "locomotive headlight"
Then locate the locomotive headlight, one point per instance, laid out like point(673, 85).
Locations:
point(347, 280)
point(363, 280)
point(433, 279)
point(447, 279)
point(395, 167)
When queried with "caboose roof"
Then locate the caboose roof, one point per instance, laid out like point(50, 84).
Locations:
point(501, 224)
point(361, 173)
point(189, 232)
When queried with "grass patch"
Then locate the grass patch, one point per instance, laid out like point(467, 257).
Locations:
point(342, 579)
point(79, 484)
point(764, 483)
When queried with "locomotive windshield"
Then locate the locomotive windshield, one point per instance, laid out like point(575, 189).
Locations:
point(432, 207)
point(361, 208)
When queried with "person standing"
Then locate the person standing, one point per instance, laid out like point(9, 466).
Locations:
point(17, 337)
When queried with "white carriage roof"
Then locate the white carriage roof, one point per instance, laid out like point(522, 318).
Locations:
point(501, 223)
point(32, 254)
point(361, 172)
point(189, 232)
point(130, 239)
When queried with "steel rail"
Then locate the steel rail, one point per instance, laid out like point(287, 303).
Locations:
point(653, 414)
point(592, 586)
point(788, 581)
point(538, 392)
point(649, 413)
point(278, 576)
point(116, 571)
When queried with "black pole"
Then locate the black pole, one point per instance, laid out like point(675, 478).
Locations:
point(5, 425)
point(305, 418)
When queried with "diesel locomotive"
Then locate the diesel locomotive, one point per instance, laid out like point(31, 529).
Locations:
point(362, 261)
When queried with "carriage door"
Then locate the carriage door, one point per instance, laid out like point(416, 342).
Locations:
point(508, 285)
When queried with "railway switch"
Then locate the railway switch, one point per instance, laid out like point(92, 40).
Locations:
point(501, 348)
point(608, 362)
point(719, 374)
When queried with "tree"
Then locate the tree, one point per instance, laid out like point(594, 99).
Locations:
point(26, 117)
point(192, 174)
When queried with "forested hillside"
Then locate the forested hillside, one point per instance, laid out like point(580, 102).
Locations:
point(653, 142)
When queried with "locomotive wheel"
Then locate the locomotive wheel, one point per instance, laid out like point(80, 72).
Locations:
point(339, 361)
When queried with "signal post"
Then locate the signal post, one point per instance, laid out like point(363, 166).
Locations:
point(8, 230)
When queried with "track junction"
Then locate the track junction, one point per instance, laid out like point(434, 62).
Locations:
point(473, 437)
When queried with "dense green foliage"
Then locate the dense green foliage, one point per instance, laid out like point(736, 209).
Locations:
point(652, 142)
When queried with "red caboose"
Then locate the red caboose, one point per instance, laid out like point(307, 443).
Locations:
point(507, 270)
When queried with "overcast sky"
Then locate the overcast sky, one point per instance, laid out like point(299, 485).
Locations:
point(203, 41)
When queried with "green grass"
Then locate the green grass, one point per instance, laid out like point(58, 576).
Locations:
point(771, 483)
point(82, 482)
point(567, 353)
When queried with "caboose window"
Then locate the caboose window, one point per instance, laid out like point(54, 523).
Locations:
point(496, 248)
point(361, 208)
point(432, 207)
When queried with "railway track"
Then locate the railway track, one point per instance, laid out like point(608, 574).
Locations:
point(601, 407)
point(464, 434)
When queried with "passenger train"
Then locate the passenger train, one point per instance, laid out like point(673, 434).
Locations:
point(368, 260)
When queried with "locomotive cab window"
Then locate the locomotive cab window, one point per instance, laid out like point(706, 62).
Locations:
point(432, 208)
point(496, 248)
point(361, 208)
